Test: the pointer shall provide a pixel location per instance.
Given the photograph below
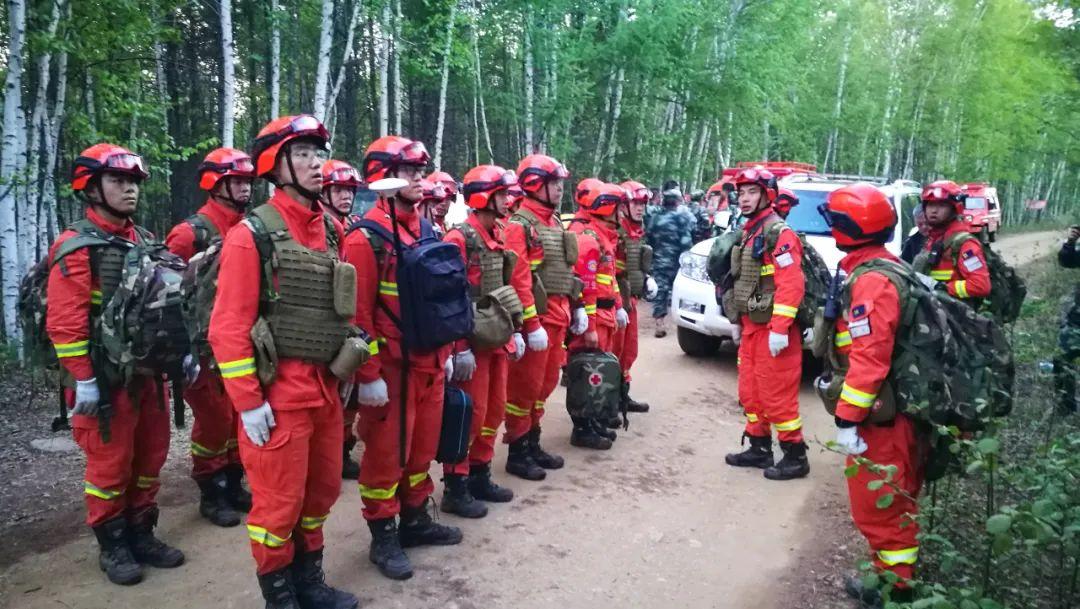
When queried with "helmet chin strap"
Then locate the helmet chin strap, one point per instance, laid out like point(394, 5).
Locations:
point(105, 203)
point(309, 194)
point(233, 202)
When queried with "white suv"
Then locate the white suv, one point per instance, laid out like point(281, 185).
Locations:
point(700, 325)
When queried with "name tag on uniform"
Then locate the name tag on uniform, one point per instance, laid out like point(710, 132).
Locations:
point(859, 324)
point(785, 260)
point(859, 328)
point(971, 261)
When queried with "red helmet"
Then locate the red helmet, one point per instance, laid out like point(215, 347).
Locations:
point(390, 152)
point(281, 131)
point(785, 200)
point(859, 214)
point(224, 163)
point(106, 158)
point(485, 180)
point(432, 192)
point(598, 198)
point(447, 181)
point(761, 177)
point(944, 191)
point(636, 191)
point(340, 173)
point(536, 170)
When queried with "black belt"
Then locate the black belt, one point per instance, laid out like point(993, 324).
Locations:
point(605, 303)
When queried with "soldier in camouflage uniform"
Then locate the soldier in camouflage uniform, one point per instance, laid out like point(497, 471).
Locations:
point(1069, 337)
point(702, 227)
point(669, 233)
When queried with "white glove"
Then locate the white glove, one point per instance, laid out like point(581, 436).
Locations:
point(849, 442)
point(651, 289)
point(538, 339)
point(736, 333)
point(622, 319)
point(464, 365)
point(822, 383)
point(519, 347)
point(448, 367)
point(86, 397)
point(927, 281)
point(191, 369)
point(372, 394)
point(258, 422)
point(808, 335)
point(777, 343)
point(579, 322)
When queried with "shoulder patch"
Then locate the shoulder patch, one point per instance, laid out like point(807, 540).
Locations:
point(860, 310)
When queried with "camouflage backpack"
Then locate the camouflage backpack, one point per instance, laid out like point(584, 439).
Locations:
point(718, 264)
point(594, 384)
point(1007, 288)
point(199, 285)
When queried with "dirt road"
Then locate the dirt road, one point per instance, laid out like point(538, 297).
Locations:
point(657, 521)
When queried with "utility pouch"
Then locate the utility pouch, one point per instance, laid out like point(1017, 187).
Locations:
point(492, 324)
point(540, 298)
point(509, 262)
point(345, 290)
point(354, 352)
point(883, 411)
point(508, 298)
point(823, 335)
point(759, 247)
point(570, 248)
point(577, 288)
point(266, 359)
point(760, 308)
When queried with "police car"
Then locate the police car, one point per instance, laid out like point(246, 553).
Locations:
point(700, 326)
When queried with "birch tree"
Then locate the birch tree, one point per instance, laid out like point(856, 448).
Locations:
point(530, 82)
point(322, 69)
point(275, 60)
point(444, 83)
point(10, 148)
point(228, 75)
point(384, 64)
point(399, 97)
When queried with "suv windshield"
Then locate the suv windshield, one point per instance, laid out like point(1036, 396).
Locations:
point(975, 203)
point(804, 217)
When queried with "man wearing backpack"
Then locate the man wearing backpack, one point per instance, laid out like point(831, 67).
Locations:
point(227, 175)
point(862, 221)
point(275, 362)
point(482, 372)
point(769, 288)
point(629, 266)
point(952, 257)
point(388, 489)
point(122, 430)
point(535, 234)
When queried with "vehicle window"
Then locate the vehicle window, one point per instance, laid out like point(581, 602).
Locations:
point(804, 217)
point(908, 205)
point(975, 203)
point(365, 200)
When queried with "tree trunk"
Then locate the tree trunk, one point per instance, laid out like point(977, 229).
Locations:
point(480, 87)
point(228, 75)
point(384, 67)
point(91, 106)
point(322, 69)
point(830, 148)
point(9, 149)
point(347, 56)
point(275, 61)
point(530, 83)
point(616, 111)
point(52, 145)
point(601, 138)
point(29, 230)
point(440, 125)
point(399, 98)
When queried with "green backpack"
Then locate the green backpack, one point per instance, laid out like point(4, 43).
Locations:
point(1007, 288)
point(199, 285)
point(594, 384)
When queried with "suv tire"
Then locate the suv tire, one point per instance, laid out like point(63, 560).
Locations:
point(695, 344)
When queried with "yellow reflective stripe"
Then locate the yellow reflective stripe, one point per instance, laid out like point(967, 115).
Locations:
point(751, 417)
point(417, 479)
point(619, 264)
point(313, 522)
point(146, 481)
point(539, 405)
point(961, 289)
point(590, 309)
point(370, 492)
point(617, 287)
point(74, 349)
point(855, 397)
point(536, 262)
point(943, 275)
point(236, 368)
point(100, 493)
point(199, 450)
point(388, 288)
point(95, 297)
point(603, 279)
point(905, 556)
point(488, 431)
point(791, 425)
point(515, 410)
point(266, 538)
point(842, 339)
point(767, 269)
point(530, 312)
point(785, 310)
point(373, 347)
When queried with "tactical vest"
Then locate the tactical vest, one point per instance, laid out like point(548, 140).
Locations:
point(492, 263)
point(305, 305)
point(754, 281)
point(638, 262)
point(556, 270)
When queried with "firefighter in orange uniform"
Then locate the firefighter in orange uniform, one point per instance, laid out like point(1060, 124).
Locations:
point(628, 268)
point(769, 287)
point(435, 203)
point(785, 201)
point(227, 175)
point(862, 221)
point(122, 469)
point(482, 373)
point(953, 256)
point(289, 405)
point(535, 234)
point(386, 488)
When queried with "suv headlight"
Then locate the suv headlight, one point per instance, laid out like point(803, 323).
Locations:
point(693, 266)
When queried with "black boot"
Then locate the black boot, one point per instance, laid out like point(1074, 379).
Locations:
point(418, 529)
point(213, 505)
point(632, 405)
point(386, 552)
point(869, 598)
point(235, 493)
point(584, 436)
point(482, 487)
point(519, 461)
point(146, 548)
point(458, 500)
point(311, 589)
point(350, 469)
point(758, 455)
point(793, 465)
point(277, 590)
point(544, 459)
point(115, 558)
point(603, 430)
point(615, 422)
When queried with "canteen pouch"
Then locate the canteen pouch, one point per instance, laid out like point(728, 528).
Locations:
point(577, 288)
point(354, 352)
point(456, 421)
point(345, 290)
point(492, 324)
point(266, 358)
point(823, 335)
point(570, 248)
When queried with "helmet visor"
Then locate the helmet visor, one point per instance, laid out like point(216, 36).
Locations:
point(344, 175)
point(414, 154)
point(939, 193)
point(126, 162)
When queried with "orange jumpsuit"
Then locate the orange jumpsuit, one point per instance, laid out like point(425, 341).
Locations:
point(866, 334)
point(295, 477)
point(626, 340)
point(384, 484)
point(596, 267)
point(971, 277)
point(487, 387)
point(121, 474)
point(537, 373)
point(213, 434)
point(769, 386)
